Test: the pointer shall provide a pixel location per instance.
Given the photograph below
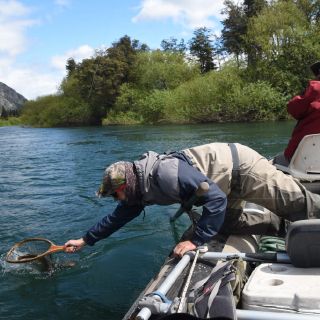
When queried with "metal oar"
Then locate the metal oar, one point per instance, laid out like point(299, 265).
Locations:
point(254, 257)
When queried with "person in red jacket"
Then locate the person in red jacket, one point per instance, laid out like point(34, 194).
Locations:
point(306, 109)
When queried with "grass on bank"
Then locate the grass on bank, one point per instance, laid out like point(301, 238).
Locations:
point(10, 121)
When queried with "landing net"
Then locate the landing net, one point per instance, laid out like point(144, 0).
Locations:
point(28, 250)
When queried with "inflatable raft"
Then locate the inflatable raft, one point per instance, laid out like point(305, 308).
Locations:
point(277, 285)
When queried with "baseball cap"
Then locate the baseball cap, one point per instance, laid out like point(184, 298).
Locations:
point(113, 178)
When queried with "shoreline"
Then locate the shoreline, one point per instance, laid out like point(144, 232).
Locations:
point(16, 121)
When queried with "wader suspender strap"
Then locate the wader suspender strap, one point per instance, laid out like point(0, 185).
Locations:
point(236, 165)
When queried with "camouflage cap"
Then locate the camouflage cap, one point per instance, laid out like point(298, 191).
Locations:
point(114, 177)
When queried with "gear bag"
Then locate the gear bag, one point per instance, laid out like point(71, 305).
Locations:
point(212, 297)
point(216, 296)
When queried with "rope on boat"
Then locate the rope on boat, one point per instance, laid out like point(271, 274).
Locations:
point(186, 286)
point(201, 249)
point(272, 244)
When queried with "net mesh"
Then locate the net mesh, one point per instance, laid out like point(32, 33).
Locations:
point(27, 250)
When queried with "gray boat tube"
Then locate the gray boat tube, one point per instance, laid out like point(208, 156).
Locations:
point(145, 313)
point(266, 315)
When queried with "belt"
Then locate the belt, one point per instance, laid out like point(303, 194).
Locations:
point(236, 165)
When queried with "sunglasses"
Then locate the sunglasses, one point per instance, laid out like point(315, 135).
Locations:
point(101, 192)
point(114, 195)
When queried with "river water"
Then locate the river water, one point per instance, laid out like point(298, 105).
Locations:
point(48, 178)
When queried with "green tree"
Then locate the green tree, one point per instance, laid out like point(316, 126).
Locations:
point(56, 111)
point(234, 29)
point(288, 44)
point(252, 8)
point(70, 66)
point(201, 47)
point(161, 70)
point(139, 47)
point(99, 78)
point(3, 113)
point(173, 45)
point(153, 77)
point(311, 9)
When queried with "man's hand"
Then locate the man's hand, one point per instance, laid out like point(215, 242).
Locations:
point(182, 247)
point(74, 245)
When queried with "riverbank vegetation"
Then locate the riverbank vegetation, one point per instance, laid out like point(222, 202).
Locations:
point(10, 121)
point(258, 63)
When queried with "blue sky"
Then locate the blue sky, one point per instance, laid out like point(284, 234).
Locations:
point(38, 36)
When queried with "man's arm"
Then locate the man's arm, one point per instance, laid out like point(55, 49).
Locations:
point(298, 106)
point(105, 227)
point(111, 223)
point(214, 202)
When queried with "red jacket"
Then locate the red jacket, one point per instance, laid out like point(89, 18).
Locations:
point(306, 109)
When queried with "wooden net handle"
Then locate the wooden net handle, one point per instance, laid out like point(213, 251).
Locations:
point(55, 248)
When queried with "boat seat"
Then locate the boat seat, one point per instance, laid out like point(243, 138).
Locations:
point(305, 163)
point(303, 243)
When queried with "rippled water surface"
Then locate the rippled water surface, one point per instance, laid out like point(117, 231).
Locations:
point(47, 182)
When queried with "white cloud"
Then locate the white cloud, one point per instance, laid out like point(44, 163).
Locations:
point(191, 14)
point(14, 21)
point(9, 8)
point(12, 38)
point(13, 24)
point(35, 80)
point(30, 82)
point(63, 3)
point(78, 54)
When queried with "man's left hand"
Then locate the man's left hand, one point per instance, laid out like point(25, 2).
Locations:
point(182, 247)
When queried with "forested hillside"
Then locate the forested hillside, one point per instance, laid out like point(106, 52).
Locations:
point(248, 73)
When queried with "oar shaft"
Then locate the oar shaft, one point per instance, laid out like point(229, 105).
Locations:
point(263, 257)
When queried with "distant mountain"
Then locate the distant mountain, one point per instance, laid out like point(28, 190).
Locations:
point(10, 101)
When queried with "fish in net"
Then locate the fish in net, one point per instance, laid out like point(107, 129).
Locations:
point(32, 249)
